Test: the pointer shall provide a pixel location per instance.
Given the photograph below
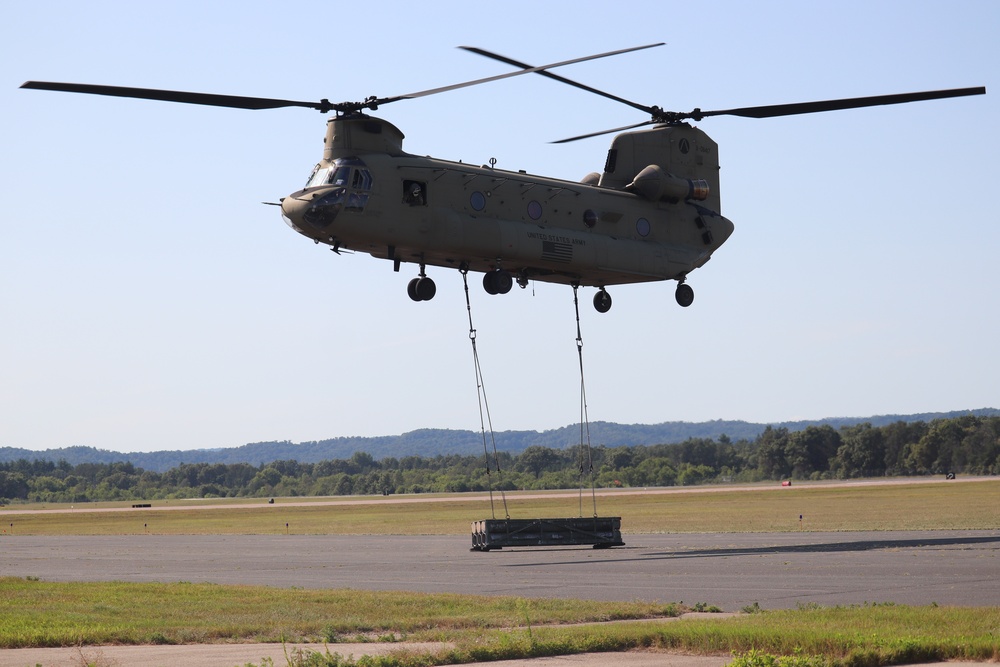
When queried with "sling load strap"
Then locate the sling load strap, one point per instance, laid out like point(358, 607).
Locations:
point(484, 406)
point(586, 458)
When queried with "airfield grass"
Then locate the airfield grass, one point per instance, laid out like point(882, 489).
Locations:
point(941, 504)
point(37, 614)
point(44, 614)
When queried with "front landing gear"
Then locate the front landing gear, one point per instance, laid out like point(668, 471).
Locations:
point(421, 288)
point(684, 295)
point(497, 282)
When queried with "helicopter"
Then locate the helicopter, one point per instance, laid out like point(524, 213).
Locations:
point(653, 214)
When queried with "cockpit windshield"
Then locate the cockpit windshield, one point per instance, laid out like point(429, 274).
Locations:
point(329, 175)
point(339, 173)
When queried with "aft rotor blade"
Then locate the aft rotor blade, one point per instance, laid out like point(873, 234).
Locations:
point(597, 134)
point(775, 110)
point(232, 101)
point(556, 77)
point(527, 70)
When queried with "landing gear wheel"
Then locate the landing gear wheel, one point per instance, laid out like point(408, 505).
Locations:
point(421, 289)
point(684, 295)
point(602, 301)
point(489, 284)
point(498, 282)
point(504, 281)
point(425, 289)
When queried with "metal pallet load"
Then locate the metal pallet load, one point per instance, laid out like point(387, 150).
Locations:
point(600, 532)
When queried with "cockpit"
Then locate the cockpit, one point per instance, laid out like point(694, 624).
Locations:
point(346, 184)
point(345, 172)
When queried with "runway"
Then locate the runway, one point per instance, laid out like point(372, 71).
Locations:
point(731, 571)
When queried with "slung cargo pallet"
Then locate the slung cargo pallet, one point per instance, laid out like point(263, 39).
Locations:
point(601, 532)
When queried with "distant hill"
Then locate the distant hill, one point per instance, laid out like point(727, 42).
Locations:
point(432, 442)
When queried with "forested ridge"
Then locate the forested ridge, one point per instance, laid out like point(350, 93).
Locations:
point(969, 444)
point(430, 442)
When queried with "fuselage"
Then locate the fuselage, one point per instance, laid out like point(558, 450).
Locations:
point(366, 196)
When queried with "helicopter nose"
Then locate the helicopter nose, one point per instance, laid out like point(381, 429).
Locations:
point(312, 211)
point(293, 208)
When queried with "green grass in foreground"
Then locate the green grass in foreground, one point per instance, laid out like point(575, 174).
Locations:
point(38, 613)
point(855, 636)
point(917, 506)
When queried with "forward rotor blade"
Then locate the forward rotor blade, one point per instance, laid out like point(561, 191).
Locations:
point(556, 77)
point(232, 101)
point(527, 70)
point(775, 110)
point(238, 102)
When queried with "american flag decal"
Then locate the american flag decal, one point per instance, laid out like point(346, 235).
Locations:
point(557, 252)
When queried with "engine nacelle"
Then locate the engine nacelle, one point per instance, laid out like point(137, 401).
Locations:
point(655, 184)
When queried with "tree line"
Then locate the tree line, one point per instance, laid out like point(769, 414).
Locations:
point(961, 445)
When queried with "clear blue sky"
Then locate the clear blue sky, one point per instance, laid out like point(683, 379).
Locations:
point(149, 301)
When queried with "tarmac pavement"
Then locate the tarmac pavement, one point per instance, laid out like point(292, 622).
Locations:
point(774, 570)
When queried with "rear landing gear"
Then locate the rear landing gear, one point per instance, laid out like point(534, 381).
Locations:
point(602, 301)
point(421, 288)
point(684, 295)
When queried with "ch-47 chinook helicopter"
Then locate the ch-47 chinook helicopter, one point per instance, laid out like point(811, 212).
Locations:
point(653, 214)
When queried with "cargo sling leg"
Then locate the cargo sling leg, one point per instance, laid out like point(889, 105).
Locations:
point(599, 532)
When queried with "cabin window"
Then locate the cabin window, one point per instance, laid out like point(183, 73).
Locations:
point(477, 200)
point(415, 193)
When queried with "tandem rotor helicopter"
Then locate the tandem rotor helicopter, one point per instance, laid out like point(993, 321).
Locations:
point(654, 214)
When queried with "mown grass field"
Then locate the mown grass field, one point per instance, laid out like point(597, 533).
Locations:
point(38, 614)
point(127, 613)
point(973, 504)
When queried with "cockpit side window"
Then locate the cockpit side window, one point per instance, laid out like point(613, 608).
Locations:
point(362, 179)
point(340, 176)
